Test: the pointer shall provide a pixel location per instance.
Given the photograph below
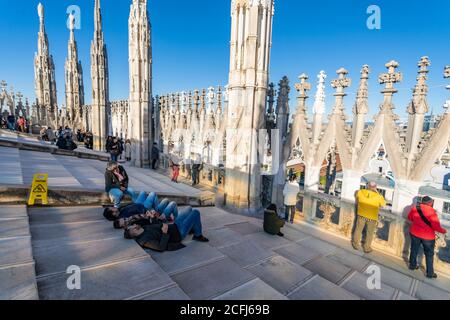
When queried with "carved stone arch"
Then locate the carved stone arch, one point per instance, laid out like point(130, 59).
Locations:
point(383, 132)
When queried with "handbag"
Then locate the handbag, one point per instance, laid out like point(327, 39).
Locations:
point(440, 238)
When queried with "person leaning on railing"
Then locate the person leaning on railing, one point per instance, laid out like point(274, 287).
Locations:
point(369, 202)
point(425, 224)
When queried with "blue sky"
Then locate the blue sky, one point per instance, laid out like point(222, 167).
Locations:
point(191, 43)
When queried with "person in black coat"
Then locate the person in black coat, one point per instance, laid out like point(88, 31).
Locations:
point(272, 222)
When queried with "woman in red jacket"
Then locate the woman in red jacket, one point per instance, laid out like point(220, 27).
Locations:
point(425, 223)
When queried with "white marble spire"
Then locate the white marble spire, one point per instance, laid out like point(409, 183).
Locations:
point(319, 102)
point(100, 83)
point(74, 79)
point(140, 107)
point(44, 69)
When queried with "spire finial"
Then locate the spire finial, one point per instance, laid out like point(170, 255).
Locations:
point(41, 12)
point(447, 75)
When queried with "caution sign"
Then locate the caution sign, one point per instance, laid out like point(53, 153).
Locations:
point(39, 189)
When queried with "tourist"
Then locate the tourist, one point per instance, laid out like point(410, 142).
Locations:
point(21, 124)
point(89, 140)
point(196, 168)
point(148, 218)
point(67, 132)
point(142, 204)
point(161, 237)
point(272, 222)
point(50, 135)
point(128, 150)
point(60, 132)
point(43, 134)
point(165, 207)
point(11, 122)
point(109, 140)
point(175, 165)
point(116, 183)
point(369, 201)
point(115, 149)
point(425, 224)
point(155, 155)
point(290, 193)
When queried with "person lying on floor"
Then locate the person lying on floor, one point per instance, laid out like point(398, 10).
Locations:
point(164, 237)
point(148, 218)
point(143, 205)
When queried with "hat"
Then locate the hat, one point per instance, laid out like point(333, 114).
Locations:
point(427, 199)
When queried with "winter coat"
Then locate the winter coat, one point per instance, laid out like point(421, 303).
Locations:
point(290, 192)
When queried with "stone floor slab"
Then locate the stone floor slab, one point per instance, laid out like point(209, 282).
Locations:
point(280, 273)
point(246, 253)
point(15, 251)
point(429, 292)
point(172, 293)
point(293, 234)
point(350, 260)
point(194, 255)
point(357, 284)
point(267, 241)
point(319, 288)
point(56, 259)
point(224, 237)
point(18, 283)
point(212, 280)
point(44, 235)
point(328, 269)
point(297, 253)
point(395, 279)
point(10, 212)
point(245, 228)
point(112, 282)
point(253, 290)
point(323, 247)
point(65, 215)
point(222, 220)
point(14, 228)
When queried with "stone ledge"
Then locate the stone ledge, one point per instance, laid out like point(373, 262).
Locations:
point(51, 149)
point(18, 195)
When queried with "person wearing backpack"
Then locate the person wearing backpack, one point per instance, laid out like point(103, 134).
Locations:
point(424, 225)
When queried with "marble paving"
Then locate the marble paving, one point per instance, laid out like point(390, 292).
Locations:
point(71, 172)
point(240, 263)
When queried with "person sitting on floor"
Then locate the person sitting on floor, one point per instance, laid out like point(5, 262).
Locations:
point(272, 222)
point(116, 183)
point(163, 237)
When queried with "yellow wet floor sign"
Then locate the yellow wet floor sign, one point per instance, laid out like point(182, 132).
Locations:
point(39, 189)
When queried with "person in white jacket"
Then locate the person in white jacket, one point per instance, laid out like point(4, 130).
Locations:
point(290, 192)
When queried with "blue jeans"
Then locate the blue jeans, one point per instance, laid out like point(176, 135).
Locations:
point(150, 202)
point(290, 213)
point(428, 250)
point(116, 196)
point(167, 208)
point(114, 157)
point(189, 220)
point(11, 126)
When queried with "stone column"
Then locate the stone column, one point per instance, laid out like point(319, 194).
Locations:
point(248, 83)
point(100, 84)
point(140, 105)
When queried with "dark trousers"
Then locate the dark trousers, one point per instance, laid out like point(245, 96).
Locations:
point(290, 212)
point(428, 249)
point(154, 162)
point(195, 176)
point(114, 157)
